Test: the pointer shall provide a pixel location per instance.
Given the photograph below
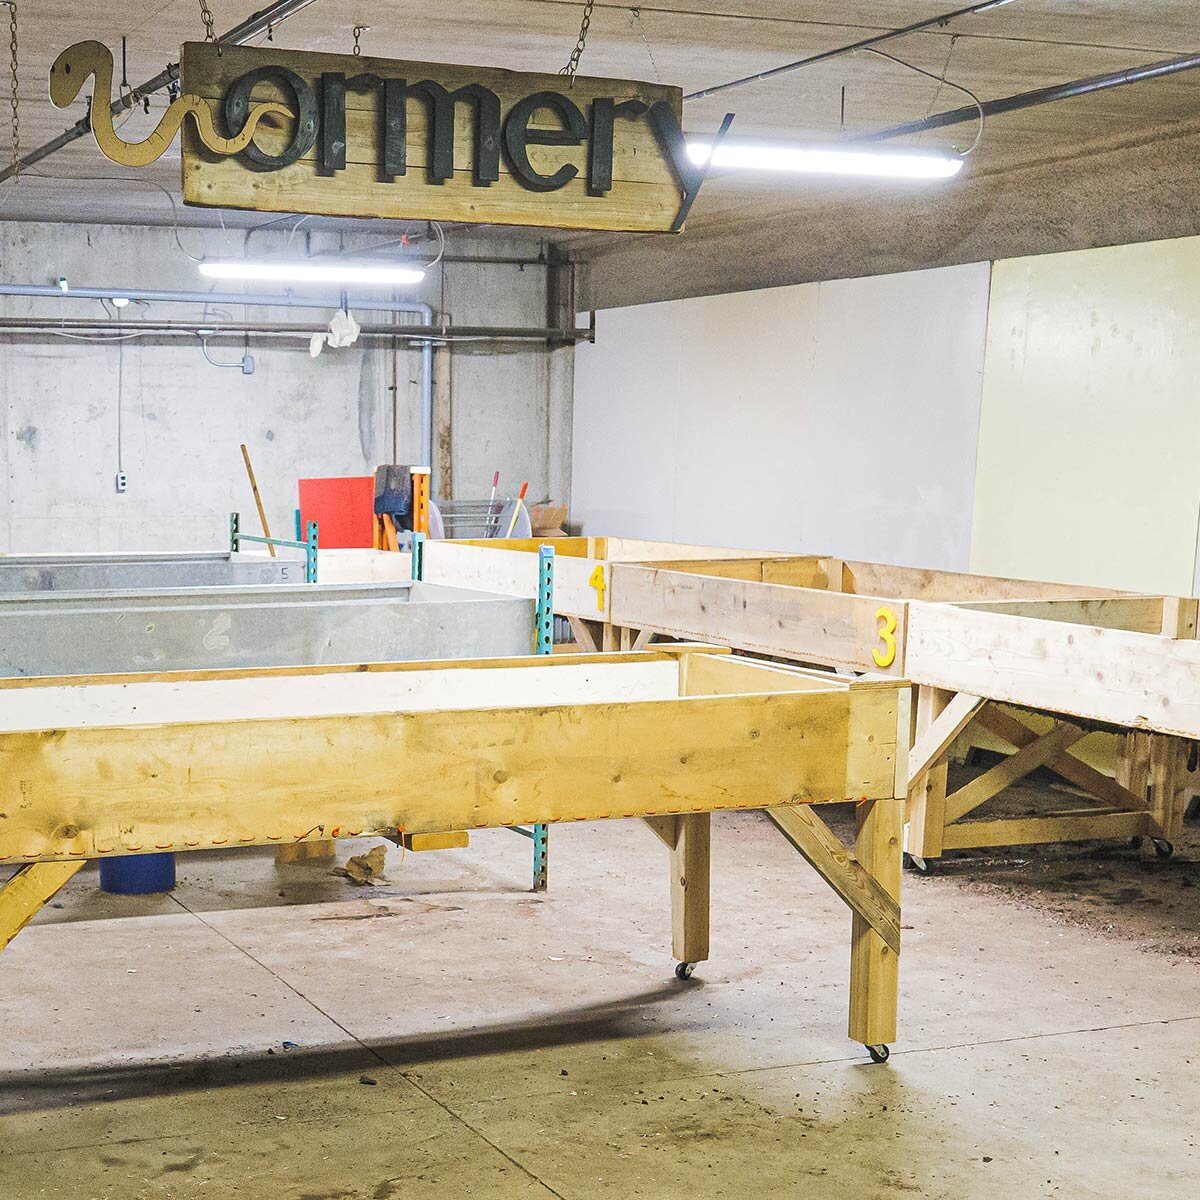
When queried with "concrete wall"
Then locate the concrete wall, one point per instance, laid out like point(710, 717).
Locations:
point(181, 420)
point(827, 418)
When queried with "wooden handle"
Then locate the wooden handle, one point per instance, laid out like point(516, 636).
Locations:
point(262, 512)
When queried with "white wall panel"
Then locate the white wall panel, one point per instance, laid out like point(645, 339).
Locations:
point(826, 418)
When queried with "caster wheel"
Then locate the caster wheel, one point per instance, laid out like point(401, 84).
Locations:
point(1136, 842)
point(684, 970)
point(1163, 848)
point(922, 866)
point(879, 1054)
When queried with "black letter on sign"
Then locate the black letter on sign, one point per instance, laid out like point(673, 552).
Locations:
point(518, 137)
point(600, 156)
point(334, 86)
point(689, 175)
point(486, 167)
point(237, 110)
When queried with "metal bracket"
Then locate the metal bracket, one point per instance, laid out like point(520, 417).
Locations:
point(308, 545)
point(418, 557)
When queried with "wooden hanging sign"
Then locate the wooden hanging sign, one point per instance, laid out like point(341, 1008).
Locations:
point(341, 135)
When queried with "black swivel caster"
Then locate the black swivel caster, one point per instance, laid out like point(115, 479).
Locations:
point(1136, 842)
point(1163, 848)
point(922, 866)
point(684, 970)
point(879, 1054)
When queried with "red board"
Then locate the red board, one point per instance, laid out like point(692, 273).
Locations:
point(343, 508)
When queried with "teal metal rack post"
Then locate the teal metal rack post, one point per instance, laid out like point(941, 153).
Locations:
point(543, 643)
point(308, 544)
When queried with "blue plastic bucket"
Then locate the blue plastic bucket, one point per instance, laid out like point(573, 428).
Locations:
point(137, 874)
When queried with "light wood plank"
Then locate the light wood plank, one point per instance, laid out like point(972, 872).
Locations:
point(937, 739)
point(93, 791)
point(644, 195)
point(1030, 831)
point(806, 624)
point(27, 891)
point(849, 879)
point(1135, 680)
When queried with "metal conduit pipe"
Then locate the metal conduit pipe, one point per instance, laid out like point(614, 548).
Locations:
point(107, 331)
point(1046, 95)
point(155, 295)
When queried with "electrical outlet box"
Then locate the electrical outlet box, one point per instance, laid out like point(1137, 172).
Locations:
point(122, 481)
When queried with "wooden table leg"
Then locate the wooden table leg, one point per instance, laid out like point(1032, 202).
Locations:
point(690, 888)
point(927, 790)
point(688, 839)
point(874, 966)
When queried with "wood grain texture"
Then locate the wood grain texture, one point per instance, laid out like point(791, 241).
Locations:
point(819, 847)
point(94, 791)
point(874, 965)
point(1135, 680)
point(645, 196)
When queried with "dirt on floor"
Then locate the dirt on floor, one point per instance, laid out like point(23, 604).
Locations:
point(1116, 888)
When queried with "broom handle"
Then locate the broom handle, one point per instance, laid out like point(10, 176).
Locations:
point(262, 512)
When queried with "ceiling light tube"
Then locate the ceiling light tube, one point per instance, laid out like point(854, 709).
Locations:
point(336, 273)
point(826, 160)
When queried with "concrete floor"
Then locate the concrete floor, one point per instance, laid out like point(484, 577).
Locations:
point(219, 1044)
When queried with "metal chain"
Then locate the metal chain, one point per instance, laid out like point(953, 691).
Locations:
point(16, 118)
point(359, 30)
point(207, 17)
point(635, 19)
point(580, 42)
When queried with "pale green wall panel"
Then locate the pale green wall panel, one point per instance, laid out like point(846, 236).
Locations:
point(1089, 444)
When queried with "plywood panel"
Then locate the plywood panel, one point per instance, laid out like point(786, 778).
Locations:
point(1087, 458)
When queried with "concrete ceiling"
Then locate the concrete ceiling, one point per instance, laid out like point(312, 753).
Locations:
point(1112, 166)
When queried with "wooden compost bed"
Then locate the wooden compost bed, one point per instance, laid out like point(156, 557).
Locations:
point(108, 765)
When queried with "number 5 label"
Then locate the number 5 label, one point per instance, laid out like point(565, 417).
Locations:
point(886, 655)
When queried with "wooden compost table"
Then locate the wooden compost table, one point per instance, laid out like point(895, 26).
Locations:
point(972, 646)
point(109, 765)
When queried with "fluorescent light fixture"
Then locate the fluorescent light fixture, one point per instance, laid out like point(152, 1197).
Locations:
point(878, 164)
point(338, 273)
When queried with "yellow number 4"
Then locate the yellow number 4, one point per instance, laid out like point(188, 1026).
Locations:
point(887, 635)
point(597, 581)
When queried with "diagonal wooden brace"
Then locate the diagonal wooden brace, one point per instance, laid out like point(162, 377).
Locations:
point(841, 870)
point(27, 891)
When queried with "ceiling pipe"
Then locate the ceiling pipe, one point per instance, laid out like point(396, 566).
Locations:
point(253, 299)
point(237, 329)
point(157, 295)
point(839, 51)
point(1046, 95)
point(249, 29)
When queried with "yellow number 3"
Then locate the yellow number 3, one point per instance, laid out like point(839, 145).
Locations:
point(887, 635)
point(596, 580)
